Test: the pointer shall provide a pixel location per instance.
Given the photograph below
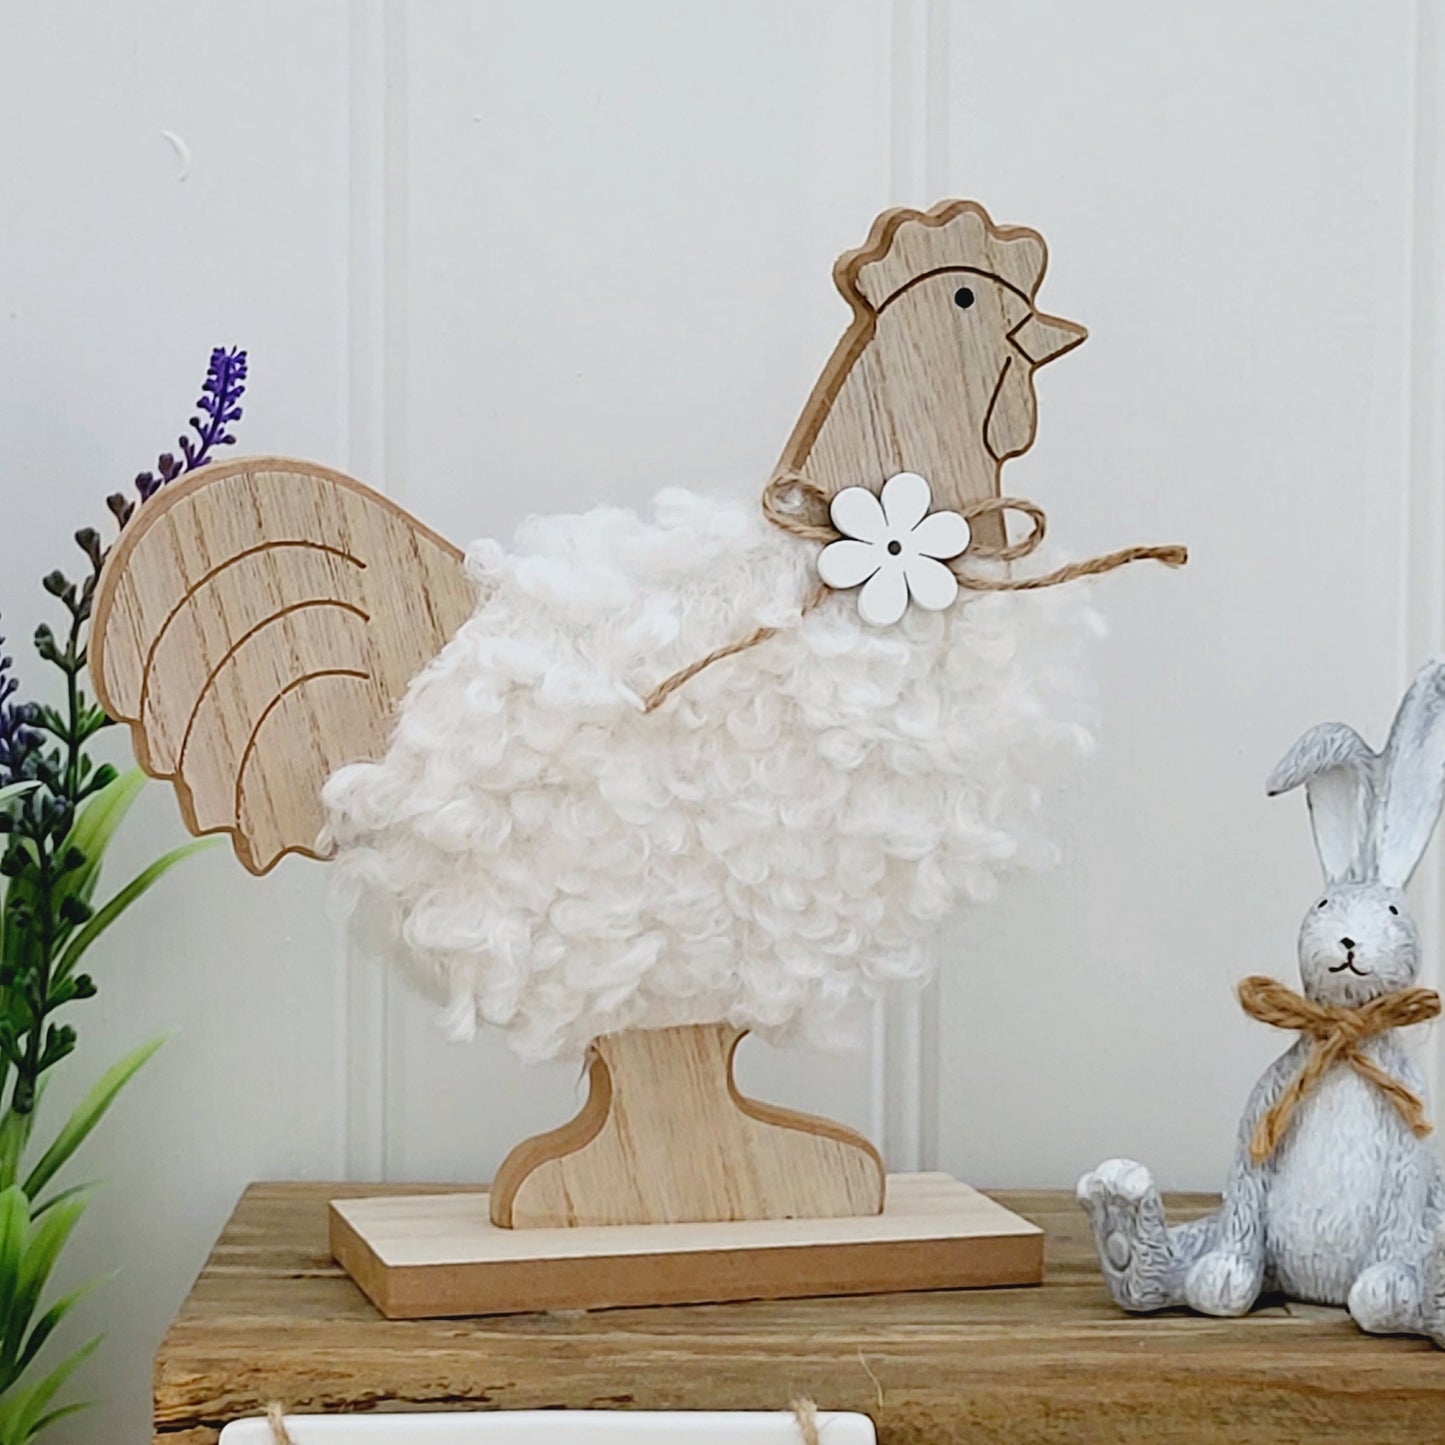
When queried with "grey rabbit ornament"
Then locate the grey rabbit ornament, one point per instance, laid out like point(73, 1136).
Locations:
point(1334, 1196)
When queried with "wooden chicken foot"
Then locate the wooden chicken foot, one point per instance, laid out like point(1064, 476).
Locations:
point(666, 1138)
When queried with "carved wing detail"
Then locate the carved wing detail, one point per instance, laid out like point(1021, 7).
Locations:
point(256, 624)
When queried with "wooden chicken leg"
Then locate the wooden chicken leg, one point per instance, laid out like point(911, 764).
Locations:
point(666, 1138)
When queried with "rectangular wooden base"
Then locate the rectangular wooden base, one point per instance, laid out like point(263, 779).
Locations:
point(431, 1255)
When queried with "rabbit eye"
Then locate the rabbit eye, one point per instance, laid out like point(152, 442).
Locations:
point(963, 298)
point(1394, 910)
point(1322, 902)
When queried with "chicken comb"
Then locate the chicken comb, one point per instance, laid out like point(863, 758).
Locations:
point(905, 245)
point(255, 625)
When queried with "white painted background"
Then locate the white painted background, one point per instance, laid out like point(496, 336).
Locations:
point(499, 257)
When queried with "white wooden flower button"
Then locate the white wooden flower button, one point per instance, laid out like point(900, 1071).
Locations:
point(893, 548)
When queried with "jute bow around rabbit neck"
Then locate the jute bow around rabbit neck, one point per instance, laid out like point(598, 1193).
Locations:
point(1337, 1034)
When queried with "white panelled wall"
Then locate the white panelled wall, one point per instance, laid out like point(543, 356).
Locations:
point(503, 256)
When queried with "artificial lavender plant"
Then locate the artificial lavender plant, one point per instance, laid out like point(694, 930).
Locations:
point(59, 810)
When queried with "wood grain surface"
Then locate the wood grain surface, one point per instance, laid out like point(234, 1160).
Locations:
point(935, 372)
point(271, 1317)
point(427, 1256)
point(256, 624)
point(665, 1137)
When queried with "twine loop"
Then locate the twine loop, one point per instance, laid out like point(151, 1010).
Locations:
point(800, 506)
point(1337, 1033)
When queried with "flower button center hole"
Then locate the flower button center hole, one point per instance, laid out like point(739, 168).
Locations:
point(894, 548)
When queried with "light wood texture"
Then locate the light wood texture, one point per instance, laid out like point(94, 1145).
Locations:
point(921, 384)
point(255, 624)
point(421, 1258)
point(666, 1138)
point(271, 1317)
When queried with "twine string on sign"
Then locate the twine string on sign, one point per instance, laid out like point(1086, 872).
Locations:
point(805, 1412)
point(790, 495)
point(276, 1419)
point(1337, 1034)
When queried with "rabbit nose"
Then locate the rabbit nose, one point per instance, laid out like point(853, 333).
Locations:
point(1347, 943)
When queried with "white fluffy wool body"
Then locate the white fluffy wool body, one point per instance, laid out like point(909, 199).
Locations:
point(770, 846)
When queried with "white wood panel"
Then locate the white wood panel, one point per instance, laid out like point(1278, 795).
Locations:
point(1235, 234)
point(117, 274)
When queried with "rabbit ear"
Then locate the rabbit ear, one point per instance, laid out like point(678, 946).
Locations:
point(1413, 776)
point(1339, 771)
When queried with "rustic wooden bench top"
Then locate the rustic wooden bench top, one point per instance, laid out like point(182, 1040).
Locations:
point(272, 1318)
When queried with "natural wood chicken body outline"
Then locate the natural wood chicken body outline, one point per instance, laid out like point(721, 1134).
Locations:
point(258, 622)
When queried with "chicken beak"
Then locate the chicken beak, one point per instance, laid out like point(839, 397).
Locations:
point(1041, 338)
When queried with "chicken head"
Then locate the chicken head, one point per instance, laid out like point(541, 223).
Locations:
point(935, 373)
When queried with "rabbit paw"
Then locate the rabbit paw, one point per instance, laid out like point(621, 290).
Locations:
point(1222, 1283)
point(1129, 1231)
point(1385, 1299)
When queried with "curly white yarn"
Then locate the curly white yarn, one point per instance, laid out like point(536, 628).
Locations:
point(769, 847)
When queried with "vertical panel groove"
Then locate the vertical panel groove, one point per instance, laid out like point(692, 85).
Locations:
point(905, 1052)
point(1423, 545)
point(362, 986)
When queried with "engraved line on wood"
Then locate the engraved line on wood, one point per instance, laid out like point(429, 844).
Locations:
point(412, 606)
point(210, 576)
point(271, 707)
point(950, 270)
point(241, 641)
point(158, 506)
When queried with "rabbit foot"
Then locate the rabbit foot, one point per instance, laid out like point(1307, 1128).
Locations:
point(1433, 1304)
point(1129, 1231)
point(1385, 1299)
point(1223, 1283)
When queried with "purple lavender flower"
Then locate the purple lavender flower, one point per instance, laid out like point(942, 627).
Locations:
point(219, 401)
point(219, 405)
point(17, 739)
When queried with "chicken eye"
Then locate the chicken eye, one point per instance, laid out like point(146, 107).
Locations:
point(963, 298)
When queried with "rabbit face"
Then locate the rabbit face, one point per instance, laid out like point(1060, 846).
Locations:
point(1356, 942)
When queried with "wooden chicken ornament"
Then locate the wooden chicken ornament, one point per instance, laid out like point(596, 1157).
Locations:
point(634, 840)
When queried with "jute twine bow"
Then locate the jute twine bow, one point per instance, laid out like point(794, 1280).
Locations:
point(788, 494)
point(805, 1412)
point(1337, 1033)
point(802, 491)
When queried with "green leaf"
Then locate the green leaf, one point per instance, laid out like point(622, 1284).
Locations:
point(88, 1113)
point(42, 1249)
point(24, 1412)
point(94, 827)
point(75, 1189)
point(14, 1221)
point(16, 790)
point(108, 914)
point(55, 1416)
point(52, 1317)
point(15, 1130)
